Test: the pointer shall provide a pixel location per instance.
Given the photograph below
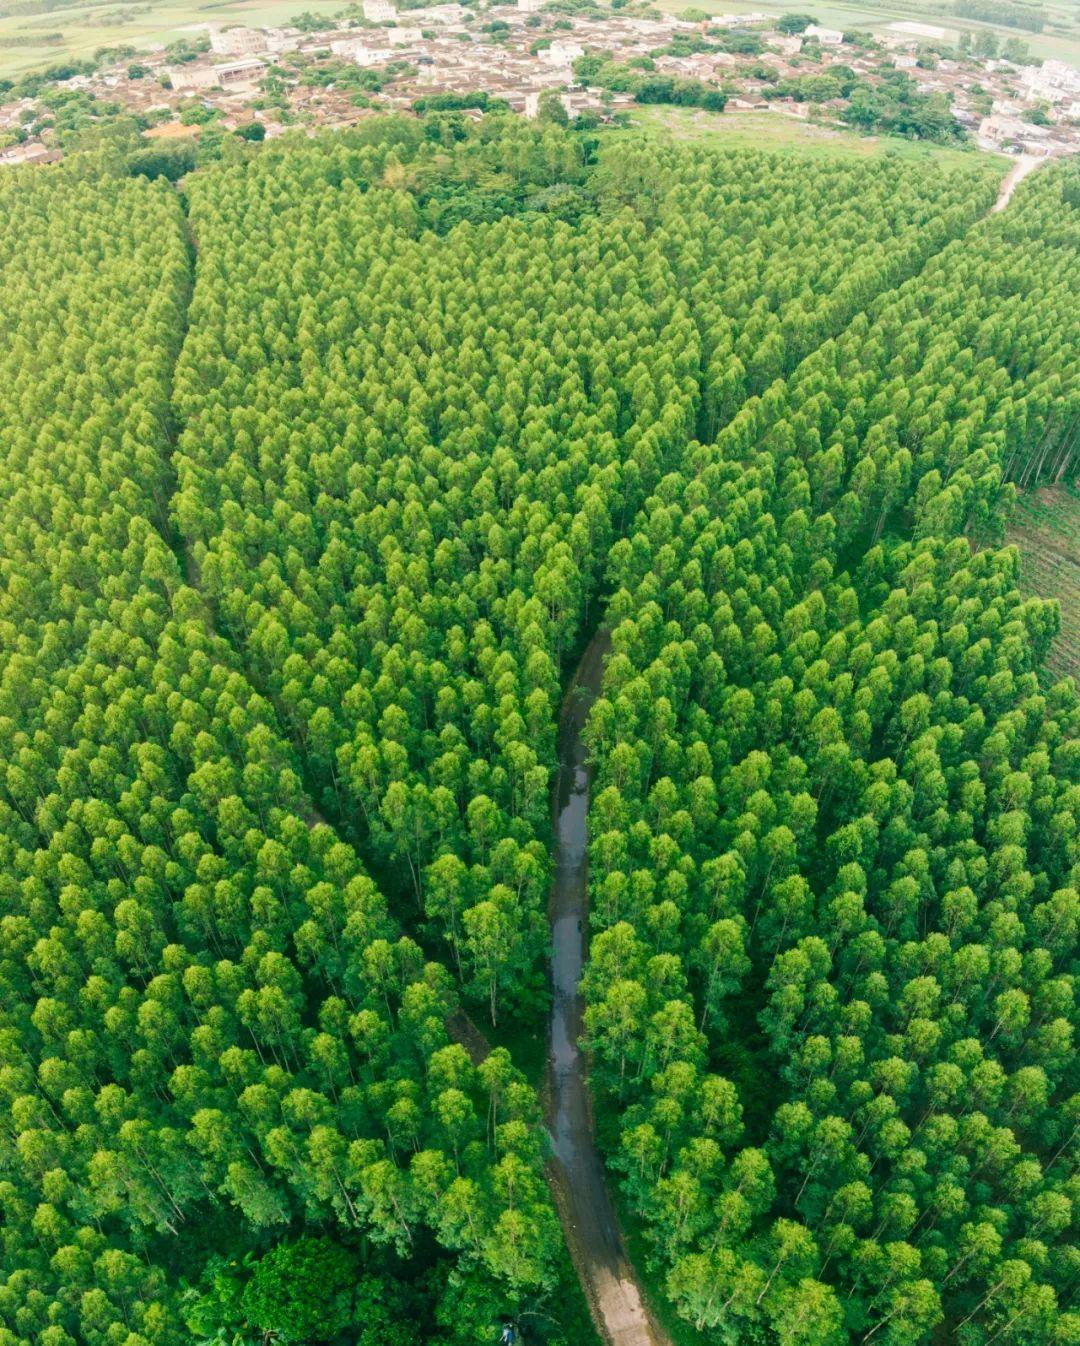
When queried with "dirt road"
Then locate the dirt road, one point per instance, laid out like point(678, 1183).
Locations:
point(1026, 164)
point(576, 1172)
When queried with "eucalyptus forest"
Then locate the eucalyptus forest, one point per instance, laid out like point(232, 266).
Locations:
point(321, 469)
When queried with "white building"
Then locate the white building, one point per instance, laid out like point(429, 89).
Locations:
point(355, 49)
point(283, 39)
point(439, 14)
point(907, 62)
point(828, 37)
point(405, 37)
point(930, 31)
point(346, 46)
point(562, 53)
point(379, 11)
point(237, 41)
point(1053, 81)
point(530, 7)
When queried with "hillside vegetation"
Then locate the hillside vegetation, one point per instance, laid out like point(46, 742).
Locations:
point(318, 474)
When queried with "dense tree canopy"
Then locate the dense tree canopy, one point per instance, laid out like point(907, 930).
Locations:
point(317, 474)
point(835, 843)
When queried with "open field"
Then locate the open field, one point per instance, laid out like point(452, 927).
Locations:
point(84, 28)
point(1060, 39)
point(1046, 528)
point(776, 132)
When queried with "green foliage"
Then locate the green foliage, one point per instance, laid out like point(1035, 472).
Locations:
point(737, 41)
point(551, 109)
point(896, 107)
point(162, 161)
point(384, 1314)
point(1006, 12)
point(1014, 49)
point(186, 49)
point(820, 884)
point(31, 85)
point(649, 88)
point(794, 23)
point(309, 1291)
point(315, 477)
point(303, 1291)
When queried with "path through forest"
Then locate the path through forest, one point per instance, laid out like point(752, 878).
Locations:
point(576, 1170)
point(1026, 164)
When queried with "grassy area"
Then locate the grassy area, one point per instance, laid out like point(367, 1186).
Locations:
point(1059, 39)
point(1046, 529)
point(777, 132)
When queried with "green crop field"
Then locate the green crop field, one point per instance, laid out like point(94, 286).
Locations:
point(82, 29)
point(1046, 528)
point(1060, 37)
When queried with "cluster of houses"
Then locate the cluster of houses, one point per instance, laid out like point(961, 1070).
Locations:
point(239, 57)
point(448, 48)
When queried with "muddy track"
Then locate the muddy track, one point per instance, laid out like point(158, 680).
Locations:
point(576, 1171)
point(1027, 163)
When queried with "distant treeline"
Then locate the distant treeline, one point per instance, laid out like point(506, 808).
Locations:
point(1005, 12)
point(1008, 13)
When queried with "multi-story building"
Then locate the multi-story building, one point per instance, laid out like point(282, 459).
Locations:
point(357, 51)
point(562, 53)
point(379, 11)
point(1052, 82)
point(231, 73)
point(237, 41)
point(283, 39)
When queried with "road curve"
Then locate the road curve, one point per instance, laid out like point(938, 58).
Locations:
point(575, 1171)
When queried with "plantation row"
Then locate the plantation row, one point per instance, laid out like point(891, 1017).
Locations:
point(308, 510)
point(835, 833)
point(209, 1012)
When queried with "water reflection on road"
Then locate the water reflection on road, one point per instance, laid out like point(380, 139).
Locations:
point(577, 1172)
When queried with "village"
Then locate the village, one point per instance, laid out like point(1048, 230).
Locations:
point(526, 56)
